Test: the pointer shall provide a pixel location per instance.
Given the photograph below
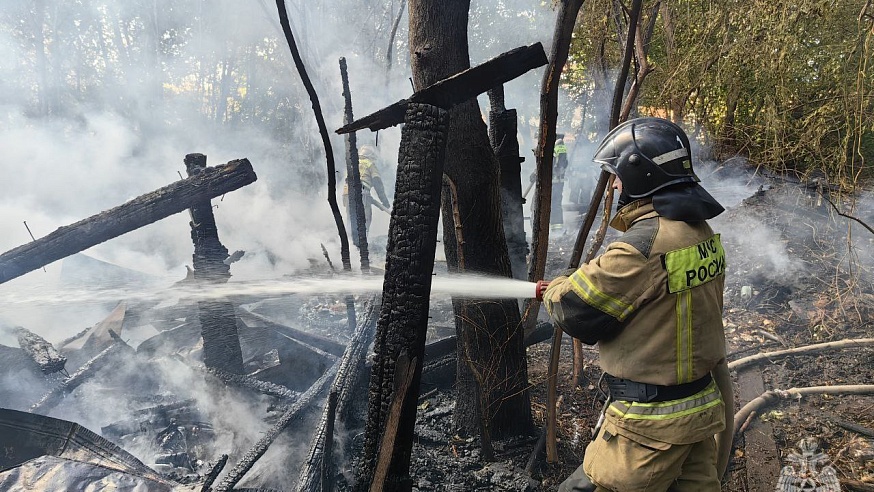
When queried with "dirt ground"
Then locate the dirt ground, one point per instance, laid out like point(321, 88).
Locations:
point(821, 291)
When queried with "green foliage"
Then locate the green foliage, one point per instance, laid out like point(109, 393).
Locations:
point(786, 84)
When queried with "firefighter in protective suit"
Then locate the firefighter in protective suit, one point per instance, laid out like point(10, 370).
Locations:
point(653, 304)
point(370, 180)
point(559, 166)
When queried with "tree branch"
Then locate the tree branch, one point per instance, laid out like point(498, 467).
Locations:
point(806, 350)
point(323, 131)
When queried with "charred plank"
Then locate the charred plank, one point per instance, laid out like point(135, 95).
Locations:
point(136, 213)
point(87, 370)
point(459, 88)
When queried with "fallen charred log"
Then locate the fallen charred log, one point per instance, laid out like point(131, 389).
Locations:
point(248, 382)
point(41, 351)
point(136, 213)
point(312, 476)
point(87, 370)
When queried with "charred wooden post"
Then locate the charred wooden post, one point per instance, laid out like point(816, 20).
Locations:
point(218, 322)
point(353, 178)
point(40, 350)
point(403, 320)
point(502, 134)
point(136, 213)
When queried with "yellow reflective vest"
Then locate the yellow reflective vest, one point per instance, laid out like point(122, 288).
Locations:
point(368, 171)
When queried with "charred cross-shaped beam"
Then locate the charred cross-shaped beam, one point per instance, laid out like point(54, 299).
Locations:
point(139, 212)
point(458, 88)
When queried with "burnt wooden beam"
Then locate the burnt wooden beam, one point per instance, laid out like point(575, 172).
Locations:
point(319, 459)
point(40, 350)
point(136, 213)
point(460, 87)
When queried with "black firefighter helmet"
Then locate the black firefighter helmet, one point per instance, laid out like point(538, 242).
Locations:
point(653, 158)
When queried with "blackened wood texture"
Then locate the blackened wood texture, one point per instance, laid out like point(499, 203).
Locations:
point(502, 135)
point(140, 211)
point(451, 90)
point(403, 318)
point(218, 322)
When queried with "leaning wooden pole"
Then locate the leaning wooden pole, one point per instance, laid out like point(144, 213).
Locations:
point(323, 131)
point(139, 212)
point(564, 27)
point(552, 373)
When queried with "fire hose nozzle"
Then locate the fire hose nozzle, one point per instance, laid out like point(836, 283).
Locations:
point(540, 289)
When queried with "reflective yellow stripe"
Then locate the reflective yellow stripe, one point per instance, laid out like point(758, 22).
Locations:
point(684, 337)
point(587, 291)
point(560, 149)
point(704, 399)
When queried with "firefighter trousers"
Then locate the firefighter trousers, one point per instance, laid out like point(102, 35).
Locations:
point(615, 463)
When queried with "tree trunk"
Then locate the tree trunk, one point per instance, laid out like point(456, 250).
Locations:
point(491, 352)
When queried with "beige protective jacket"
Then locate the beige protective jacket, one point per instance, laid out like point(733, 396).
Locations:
point(653, 303)
point(653, 300)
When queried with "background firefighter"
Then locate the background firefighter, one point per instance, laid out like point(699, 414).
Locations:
point(370, 180)
point(653, 303)
point(559, 167)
